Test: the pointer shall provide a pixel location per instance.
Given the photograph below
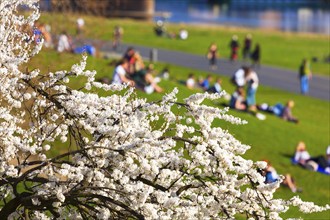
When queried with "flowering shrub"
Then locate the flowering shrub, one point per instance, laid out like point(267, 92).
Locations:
point(116, 156)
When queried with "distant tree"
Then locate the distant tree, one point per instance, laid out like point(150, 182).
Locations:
point(72, 154)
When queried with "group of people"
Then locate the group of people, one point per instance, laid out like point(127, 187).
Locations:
point(305, 73)
point(204, 83)
point(161, 31)
point(247, 53)
point(246, 81)
point(246, 84)
point(66, 44)
point(301, 157)
point(132, 71)
point(244, 97)
point(64, 40)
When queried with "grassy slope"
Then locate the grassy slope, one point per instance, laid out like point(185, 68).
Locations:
point(278, 49)
point(273, 138)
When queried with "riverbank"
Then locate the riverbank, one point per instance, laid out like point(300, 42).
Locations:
point(297, 16)
point(278, 49)
point(264, 30)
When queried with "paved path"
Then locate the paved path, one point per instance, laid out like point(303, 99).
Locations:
point(270, 76)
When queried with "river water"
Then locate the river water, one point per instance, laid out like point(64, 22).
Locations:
point(311, 16)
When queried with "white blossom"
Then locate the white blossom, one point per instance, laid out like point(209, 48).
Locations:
point(76, 153)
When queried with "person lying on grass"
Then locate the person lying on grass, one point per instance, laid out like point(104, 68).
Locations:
point(284, 112)
point(303, 158)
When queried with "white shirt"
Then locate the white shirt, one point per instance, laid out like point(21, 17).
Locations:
point(301, 156)
point(255, 80)
point(63, 43)
point(273, 173)
point(190, 83)
point(117, 73)
point(239, 77)
point(217, 87)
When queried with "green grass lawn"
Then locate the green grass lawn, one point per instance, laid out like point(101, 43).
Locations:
point(277, 49)
point(272, 139)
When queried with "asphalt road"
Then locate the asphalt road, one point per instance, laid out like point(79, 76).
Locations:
point(276, 77)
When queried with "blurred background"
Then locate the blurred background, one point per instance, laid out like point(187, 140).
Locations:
point(311, 16)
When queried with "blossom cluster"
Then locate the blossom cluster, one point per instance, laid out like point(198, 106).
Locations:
point(78, 154)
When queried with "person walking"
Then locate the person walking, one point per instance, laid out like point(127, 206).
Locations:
point(247, 47)
point(305, 74)
point(117, 37)
point(234, 45)
point(212, 55)
point(80, 23)
point(255, 56)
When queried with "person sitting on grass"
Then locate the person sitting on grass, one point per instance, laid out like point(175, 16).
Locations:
point(301, 155)
point(164, 73)
point(134, 59)
point(190, 83)
point(271, 176)
point(216, 88)
point(205, 83)
point(141, 75)
point(160, 29)
point(145, 81)
point(64, 43)
point(151, 82)
point(303, 158)
point(237, 100)
point(119, 74)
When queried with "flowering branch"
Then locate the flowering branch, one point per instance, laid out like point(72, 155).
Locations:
point(70, 153)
